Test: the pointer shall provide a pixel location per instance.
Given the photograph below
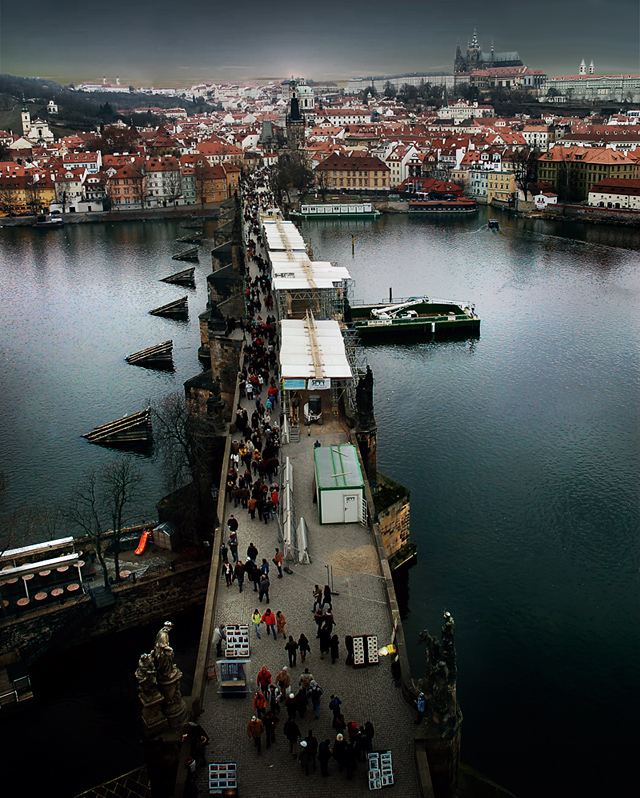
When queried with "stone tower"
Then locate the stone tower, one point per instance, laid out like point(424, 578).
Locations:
point(473, 53)
point(459, 64)
point(26, 121)
point(295, 120)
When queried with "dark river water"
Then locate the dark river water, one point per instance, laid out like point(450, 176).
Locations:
point(522, 451)
point(75, 303)
point(521, 448)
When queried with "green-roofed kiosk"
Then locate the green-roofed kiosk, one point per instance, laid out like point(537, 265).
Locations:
point(339, 485)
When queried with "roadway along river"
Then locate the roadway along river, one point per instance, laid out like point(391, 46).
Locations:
point(522, 448)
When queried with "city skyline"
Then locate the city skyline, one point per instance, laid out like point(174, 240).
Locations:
point(195, 42)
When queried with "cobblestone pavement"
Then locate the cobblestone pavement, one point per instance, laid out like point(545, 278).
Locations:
point(359, 607)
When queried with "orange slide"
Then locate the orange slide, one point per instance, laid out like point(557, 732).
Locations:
point(143, 542)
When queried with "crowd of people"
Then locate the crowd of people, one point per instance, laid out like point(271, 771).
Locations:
point(281, 704)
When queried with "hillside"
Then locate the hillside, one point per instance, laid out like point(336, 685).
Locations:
point(77, 111)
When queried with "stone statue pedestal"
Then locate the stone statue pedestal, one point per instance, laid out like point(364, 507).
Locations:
point(153, 718)
point(175, 710)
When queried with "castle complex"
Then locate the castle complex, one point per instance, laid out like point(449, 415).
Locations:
point(476, 59)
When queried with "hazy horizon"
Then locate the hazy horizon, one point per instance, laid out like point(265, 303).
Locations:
point(165, 45)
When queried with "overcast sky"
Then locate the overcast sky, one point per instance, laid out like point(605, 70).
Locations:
point(183, 42)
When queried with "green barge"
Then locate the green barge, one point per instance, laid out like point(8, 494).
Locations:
point(414, 318)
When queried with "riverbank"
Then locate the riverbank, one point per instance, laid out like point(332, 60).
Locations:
point(524, 210)
point(209, 210)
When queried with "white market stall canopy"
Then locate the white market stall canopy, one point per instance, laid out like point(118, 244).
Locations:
point(284, 260)
point(313, 349)
point(283, 236)
point(312, 275)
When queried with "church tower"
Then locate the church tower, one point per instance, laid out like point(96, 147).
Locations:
point(583, 68)
point(459, 64)
point(295, 120)
point(473, 53)
point(26, 121)
point(592, 69)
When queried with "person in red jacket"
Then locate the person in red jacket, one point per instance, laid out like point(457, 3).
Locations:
point(259, 704)
point(269, 620)
point(264, 680)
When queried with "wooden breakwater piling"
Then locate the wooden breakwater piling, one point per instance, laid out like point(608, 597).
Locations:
point(187, 254)
point(178, 309)
point(159, 356)
point(184, 277)
point(132, 431)
point(192, 238)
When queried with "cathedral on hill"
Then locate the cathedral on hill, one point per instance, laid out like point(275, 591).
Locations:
point(476, 59)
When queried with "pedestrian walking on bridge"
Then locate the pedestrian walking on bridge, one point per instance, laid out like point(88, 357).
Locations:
point(255, 730)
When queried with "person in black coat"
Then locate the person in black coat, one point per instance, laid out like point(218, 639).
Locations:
point(292, 649)
point(302, 702)
point(350, 761)
point(304, 647)
point(291, 732)
point(312, 747)
point(325, 641)
point(348, 644)
point(324, 755)
point(270, 722)
point(334, 645)
point(339, 751)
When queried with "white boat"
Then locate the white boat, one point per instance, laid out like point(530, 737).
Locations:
point(327, 211)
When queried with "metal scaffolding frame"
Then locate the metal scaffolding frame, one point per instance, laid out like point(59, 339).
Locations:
point(323, 303)
point(356, 358)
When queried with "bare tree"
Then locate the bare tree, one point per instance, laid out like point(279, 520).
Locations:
point(138, 179)
point(322, 182)
point(8, 202)
point(292, 171)
point(183, 437)
point(84, 510)
point(32, 195)
point(120, 481)
point(526, 168)
point(188, 441)
point(99, 504)
point(173, 185)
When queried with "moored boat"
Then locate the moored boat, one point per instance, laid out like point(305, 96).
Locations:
point(48, 220)
point(361, 210)
point(438, 206)
point(416, 317)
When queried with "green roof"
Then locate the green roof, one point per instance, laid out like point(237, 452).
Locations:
point(337, 467)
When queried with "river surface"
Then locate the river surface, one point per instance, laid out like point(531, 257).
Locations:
point(521, 448)
point(75, 303)
point(522, 451)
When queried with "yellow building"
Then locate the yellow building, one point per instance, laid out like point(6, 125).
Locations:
point(573, 171)
point(22, 194)
point(501, 186)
